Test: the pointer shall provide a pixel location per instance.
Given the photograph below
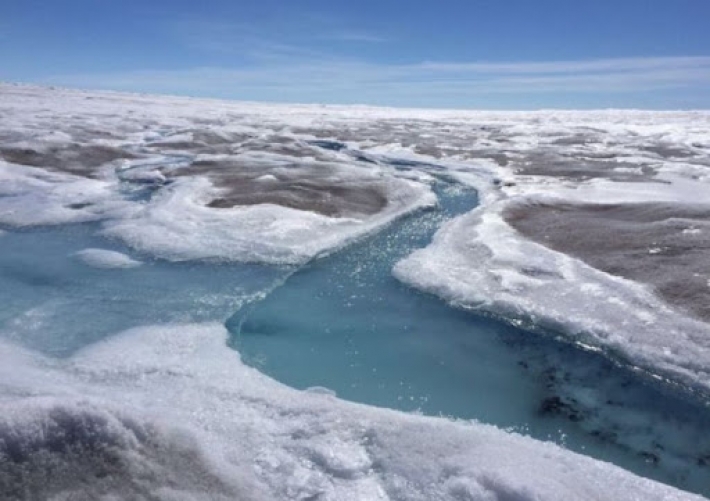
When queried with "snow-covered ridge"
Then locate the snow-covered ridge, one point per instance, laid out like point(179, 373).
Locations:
point(194, 422)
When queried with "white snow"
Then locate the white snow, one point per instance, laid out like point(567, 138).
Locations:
point(33, 196)
point(177, 225)
point(108, 259)
point(478, 261)
point(174, 403)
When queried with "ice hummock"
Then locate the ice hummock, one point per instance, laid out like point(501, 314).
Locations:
point(171, 412)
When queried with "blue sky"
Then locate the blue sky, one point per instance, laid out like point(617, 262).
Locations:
point(505, 54)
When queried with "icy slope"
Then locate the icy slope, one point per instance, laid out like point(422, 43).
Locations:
point(171, 413)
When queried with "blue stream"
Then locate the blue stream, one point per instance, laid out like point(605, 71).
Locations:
point(53, 302)
point(344, 323)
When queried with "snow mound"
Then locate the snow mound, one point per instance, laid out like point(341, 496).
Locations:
point(171, 412)
point(107, 259)
point(479, 261)
point(177, 225)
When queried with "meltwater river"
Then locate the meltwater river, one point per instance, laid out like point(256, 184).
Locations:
point(343, 324)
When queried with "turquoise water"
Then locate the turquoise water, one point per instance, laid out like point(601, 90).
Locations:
point(344, 323)
point(53, 302)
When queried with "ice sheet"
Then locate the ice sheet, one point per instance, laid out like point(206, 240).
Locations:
point(135, 147)
point(172, 413)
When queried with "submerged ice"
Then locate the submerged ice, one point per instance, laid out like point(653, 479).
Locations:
point(129, 211)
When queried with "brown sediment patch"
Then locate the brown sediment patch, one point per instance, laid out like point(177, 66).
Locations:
point(664, 245)
point(432, 139)
point(438, 152)
point(309, 188)
point(500, 158)
point(320, 133)
point(576, 140)
point(183, 145)
point(668, 151)
point(204, 142)
point(207, 143)
point(284, 146)
point(77, 159)
point(84, 134)
point(582, 169)
point(599, 155)
point(408, 135)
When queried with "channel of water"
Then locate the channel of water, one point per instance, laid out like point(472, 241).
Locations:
point(342, 322)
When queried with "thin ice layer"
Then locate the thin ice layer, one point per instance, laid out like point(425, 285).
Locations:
point(172, 413)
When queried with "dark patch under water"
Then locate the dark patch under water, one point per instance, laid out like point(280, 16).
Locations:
point(328, 145)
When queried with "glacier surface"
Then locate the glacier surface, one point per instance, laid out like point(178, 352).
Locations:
point(197, 180)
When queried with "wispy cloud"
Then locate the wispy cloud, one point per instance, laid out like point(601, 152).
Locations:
point(427, 83)
point(277, 39)
point(579, 66)
point(355, 36)
point(238, 39)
